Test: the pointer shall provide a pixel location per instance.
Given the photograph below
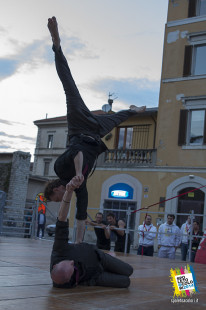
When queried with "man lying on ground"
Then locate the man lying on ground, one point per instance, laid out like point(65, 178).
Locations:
point(83, 263)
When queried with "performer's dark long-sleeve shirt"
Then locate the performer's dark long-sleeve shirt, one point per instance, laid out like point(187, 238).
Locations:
point(86, 256)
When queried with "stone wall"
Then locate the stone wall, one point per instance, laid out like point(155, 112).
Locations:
point(19, 177)
point(5, 171)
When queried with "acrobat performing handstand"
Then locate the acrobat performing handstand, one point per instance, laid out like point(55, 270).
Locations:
point(85, 131)
point(82, 264)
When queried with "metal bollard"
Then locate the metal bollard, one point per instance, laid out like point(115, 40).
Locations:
point(127, 229)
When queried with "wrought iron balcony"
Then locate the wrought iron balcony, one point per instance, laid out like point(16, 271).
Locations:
point(127, 158)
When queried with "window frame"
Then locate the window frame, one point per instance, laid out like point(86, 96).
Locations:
point(198, 6)
point(50, 142)
point(46, 168)
point(190, 57)
point(139, 139)
point(125, 137)
point(194, 8)
point(189, 124)
point(194, 59)
point(185, 128)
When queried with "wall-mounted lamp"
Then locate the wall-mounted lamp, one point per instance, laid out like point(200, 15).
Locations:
point(191, 176)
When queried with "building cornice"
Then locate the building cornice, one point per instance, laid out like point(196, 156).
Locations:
point(186, 21)
point(181, 79)
point(201, 170)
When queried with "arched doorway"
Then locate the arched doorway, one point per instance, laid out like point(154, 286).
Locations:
point(181, 185)
point(109, 202)
point(191, 201)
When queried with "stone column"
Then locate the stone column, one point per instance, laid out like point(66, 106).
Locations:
point(19, 179)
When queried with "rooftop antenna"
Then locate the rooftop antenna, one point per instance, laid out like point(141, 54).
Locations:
point(108, 107)
point(111, 100)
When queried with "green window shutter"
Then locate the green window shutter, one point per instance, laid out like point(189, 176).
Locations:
point(192, 8)
point(187, 60)
point(182, 127)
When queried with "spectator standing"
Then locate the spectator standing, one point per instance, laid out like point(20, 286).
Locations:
point(168, 238)
point(195, 240)
point(41, 223)
point(103, 238)
point(185, 231)
point(117, 228)
point(147, 233)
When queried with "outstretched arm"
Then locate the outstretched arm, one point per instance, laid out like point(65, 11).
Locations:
point(120, 228)
point(65, 203)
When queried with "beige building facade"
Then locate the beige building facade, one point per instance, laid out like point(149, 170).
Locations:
point(181, 125)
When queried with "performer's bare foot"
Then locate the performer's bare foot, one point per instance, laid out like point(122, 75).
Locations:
point(53, 28)
point(137, 109)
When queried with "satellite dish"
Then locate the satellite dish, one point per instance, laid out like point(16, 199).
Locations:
point(106, 108)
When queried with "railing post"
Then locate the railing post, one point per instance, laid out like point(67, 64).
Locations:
point(127, 229)
point(2, 204)
point(34, 207)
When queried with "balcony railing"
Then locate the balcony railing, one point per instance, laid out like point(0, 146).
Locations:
point(128, 158)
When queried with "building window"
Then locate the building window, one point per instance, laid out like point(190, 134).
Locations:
point(199, 63)
point(196, 127)
point(50, 141)
point(67, 140)
point(194, 60)
point(196, 8)
point(125, 138)
point(46, 168)
point(201, 7)
point(133, 137)
point(192, 127)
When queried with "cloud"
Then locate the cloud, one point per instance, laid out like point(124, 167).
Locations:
point(73, 46)
point(11, 123)
point(3, 30)
point(3, 121)
point(3, 145)
point(22, 137)
point(7, 67)
point(130, 91)
point(38, 52)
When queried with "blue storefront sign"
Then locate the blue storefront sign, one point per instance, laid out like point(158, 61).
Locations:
point(121, 191)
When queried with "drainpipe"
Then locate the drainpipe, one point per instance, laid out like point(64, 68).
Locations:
point(155, 129)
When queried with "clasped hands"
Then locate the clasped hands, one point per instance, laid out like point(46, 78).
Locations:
point(75, 182)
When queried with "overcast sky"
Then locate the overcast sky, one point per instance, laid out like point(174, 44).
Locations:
point(111, 45)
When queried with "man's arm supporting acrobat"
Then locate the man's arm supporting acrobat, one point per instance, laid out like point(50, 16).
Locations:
point(78, 163)
point(65, 203)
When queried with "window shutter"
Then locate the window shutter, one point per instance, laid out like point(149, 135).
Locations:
point(187, 60)
point(204, 138)
point(182, 127)
point(116, 137)
point(192, 8)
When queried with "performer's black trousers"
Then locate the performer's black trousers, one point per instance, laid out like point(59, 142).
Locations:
point(116, 272)
point(80, 119)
